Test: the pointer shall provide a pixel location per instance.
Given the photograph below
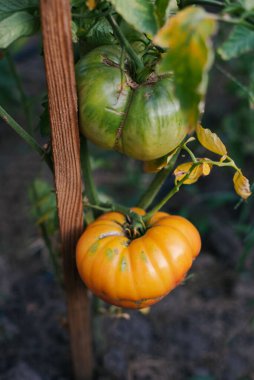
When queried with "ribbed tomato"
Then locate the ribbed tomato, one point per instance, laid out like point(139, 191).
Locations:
point(136, 273)
point(143, 120)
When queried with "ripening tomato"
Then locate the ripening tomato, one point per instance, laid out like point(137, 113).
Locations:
point(142, 120)
point(136, 272)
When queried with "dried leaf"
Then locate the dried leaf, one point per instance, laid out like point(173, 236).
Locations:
point(210, 141)
point(241, 185)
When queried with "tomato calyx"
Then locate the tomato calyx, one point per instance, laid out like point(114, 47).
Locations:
point(134, 226)
point(146, 76)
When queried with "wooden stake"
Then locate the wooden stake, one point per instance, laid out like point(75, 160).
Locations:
point(58, 54)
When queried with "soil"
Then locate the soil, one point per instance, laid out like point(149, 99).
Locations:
point(203, 330)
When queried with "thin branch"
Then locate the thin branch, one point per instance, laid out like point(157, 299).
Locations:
point(26, 137)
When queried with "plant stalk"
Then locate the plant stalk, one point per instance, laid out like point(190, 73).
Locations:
point(155, 186)
point(175, 189)
point(90, 188)
point(125, 43)
point(26, 137)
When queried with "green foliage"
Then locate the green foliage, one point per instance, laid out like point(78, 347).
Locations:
point(20, 24)
point(139, 13)
point(43, 202)
point(7, 8)
point(240, 41)
point(8, 95)
point(161, 7)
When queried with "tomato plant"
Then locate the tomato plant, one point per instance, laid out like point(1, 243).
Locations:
point(142, 72)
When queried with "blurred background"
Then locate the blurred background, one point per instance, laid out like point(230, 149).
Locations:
point(204, 329)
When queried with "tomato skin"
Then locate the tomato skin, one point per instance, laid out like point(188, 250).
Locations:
point(136, 273)
point(142, 121)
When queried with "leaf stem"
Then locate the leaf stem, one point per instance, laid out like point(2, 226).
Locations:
point(244, 89)
point(185, 147)
point(155, 186)
point(216, 3)
point(125, 43)
point(109, 207)
point(236, 21)
point(23, 97)
point(175, 189)
point(26, 137)
point(47, 239)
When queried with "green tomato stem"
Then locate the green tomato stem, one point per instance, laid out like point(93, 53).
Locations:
point(47, 240)
point(236, 21)
point(26, 137)
point(90, 188)
point(23, 97)
point(186, 3)
point(125, 43)
point(170, 194)
point(185, 147)
point(155, 186)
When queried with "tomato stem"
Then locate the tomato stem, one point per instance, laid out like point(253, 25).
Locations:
point(90, 187)
point(155, 186)
point(125, 43)
point(170, 194)
point(26, 137)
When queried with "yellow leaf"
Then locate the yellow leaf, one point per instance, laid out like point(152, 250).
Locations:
point(202, 169)
point(210, 141)
point(206, 168)
point(241, 185)
point(187, 35)
point(181, 171)
point(91, 4)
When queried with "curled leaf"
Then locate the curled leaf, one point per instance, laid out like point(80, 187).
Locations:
point(202, 169)
point(241, 185)
point(210, 141)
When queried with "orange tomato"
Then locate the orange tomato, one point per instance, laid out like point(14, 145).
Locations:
point(136, 272)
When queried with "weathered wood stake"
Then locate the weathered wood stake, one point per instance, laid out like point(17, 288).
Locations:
point(59, 62)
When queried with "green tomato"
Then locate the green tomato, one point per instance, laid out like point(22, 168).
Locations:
point(143, 121)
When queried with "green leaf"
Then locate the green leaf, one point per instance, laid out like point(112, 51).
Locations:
point(139, 13)
point(76, 3)
point(161, 10)
point(8, 7)
point(74, 32)
point(248, 4)
point(240, 41)
point(189, 57)
point(43, 201)
point(20, 24)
